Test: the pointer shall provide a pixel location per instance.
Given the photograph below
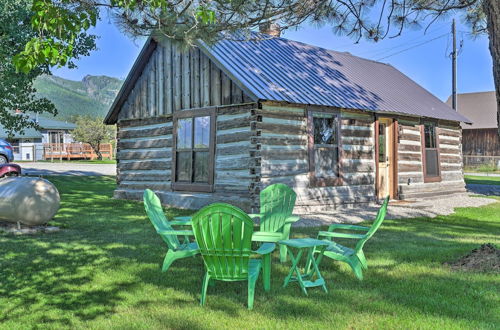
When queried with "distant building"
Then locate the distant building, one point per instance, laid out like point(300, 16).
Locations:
point(481, 138)
point(29, 145)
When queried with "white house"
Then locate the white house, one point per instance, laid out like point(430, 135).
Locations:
point(29, 144)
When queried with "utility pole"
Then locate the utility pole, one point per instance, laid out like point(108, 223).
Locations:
point(454, 67)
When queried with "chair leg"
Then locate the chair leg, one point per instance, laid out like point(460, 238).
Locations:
point(169, 259)
point(283, 253)
point(267, 272)
point(251, 290)
point(356, 267)
point(362, 259)
point(204, 287)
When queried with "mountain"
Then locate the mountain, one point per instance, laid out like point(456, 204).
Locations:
point(92, 96)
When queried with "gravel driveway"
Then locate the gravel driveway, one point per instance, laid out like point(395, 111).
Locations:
point(430, 207)
point(57, 168)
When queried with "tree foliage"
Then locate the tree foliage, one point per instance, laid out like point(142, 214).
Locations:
point(59, 22)
point(94, 132)
point(16, 88)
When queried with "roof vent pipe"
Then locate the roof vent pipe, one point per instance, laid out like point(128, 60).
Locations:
point(270, 28)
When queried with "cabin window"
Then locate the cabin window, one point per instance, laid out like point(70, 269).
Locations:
point(430, 153)
point(193, 150)
point(324, 148)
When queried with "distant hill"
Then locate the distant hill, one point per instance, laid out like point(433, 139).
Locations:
point(92, 96)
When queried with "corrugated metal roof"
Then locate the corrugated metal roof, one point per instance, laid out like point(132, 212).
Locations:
point(279, 69)
point(480, 107)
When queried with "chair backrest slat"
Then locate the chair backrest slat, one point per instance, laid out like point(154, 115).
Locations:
point(376, 224)
point(276, 205)
point(155, 213)
point(224, 236)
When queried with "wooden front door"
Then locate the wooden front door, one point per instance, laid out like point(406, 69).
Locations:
point(385, 158)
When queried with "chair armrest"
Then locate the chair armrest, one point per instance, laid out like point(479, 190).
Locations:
point(341, 235)
point(180, 222)
point(346, 226)
point(176, 232)
point(266, 248)
point(264, 236)
point(183, 218)
point(254, 215)
point(292, 218)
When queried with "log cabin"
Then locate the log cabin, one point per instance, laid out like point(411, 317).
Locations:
point(218, 123)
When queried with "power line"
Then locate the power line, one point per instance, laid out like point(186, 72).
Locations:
point(418, 45)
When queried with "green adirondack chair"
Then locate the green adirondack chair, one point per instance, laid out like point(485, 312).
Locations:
point(176, 249)
point(224, 235)
point(276, 206)
point(354, 257)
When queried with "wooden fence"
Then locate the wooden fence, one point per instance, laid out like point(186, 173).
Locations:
point(75, 151)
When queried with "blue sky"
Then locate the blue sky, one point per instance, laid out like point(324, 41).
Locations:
point(428, 63)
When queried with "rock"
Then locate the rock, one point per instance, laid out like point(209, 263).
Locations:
point(30, 201)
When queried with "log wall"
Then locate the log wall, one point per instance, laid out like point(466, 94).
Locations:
point(177, 78)
point(281, 145)
point(410, 168)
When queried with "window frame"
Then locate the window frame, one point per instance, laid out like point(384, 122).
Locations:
point(315, 181)
point(194, 186)
point(428, 178)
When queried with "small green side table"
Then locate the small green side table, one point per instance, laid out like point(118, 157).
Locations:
point(310, 245)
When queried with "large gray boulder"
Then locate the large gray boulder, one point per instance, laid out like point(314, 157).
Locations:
point(28, 200)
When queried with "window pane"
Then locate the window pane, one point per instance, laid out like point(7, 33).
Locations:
point(184, 131)
point(382, 143)
point(325, 162)
point(431, 163)
point(201, 132)
point(183, 166)
point(325, 130)
point(201, 166)
point(430, 136)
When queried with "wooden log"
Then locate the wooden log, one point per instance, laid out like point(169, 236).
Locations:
point(153, 185)
point(205, 81)
point(235, 123)
point(280, 129)
point(141, 155)
point(451, 159)
point(410, 157)
point(145, 165)
point(409, 137)
point(215, 84)
point(186, 79)
point(233, 150)
point(235, 109)
point(357, 154)
point(236, 94)
point(402, 167)
point(356, 180)
point(234, 137)
point(169, 94)
point(234, 163)
point(409, 147)
point(403, 178)
point(177, 76)
point(284, 154)
point(160, 78)
point(225, 89)
point(145, 144)
point(455, 150)
point(145, 132)
point(144, 121)
point(195, 74)
point(356, 133)
point(272, 141)
point(447, 132)
point(356, 122)
point(281, 114)
point(131, 176)
point(353, 166)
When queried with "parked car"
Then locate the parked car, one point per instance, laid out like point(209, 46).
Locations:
point(6, 152)
point(7, 170)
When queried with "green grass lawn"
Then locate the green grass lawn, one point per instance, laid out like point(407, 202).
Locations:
point(102, 271)
point(494, 180)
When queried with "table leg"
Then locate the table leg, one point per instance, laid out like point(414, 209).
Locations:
point(315, 262)
point(295, 261)
point(267, 272)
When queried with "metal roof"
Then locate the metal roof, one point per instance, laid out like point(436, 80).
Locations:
point(480, 107)
point(279, 69)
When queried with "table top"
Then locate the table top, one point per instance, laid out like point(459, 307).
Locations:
point(303, 242)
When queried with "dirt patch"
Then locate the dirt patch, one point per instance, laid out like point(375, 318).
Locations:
point(486, 258)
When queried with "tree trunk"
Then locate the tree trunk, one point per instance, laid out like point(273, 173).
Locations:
point(97, 150)
point(492, 10)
